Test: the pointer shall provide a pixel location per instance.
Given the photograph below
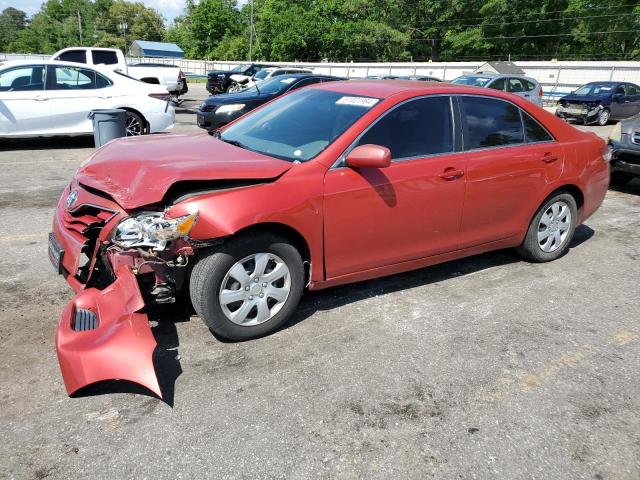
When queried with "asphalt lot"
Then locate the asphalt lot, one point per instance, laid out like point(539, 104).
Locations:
point(483, 368)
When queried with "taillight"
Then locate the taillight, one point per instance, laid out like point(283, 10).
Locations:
point(180, 75)
point(160, 96)
point(607, 153)
point(540, 90)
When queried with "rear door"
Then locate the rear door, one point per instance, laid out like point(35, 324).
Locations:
point(633, 95)
point(72, 93)
point(23, 109)
point(510, 160)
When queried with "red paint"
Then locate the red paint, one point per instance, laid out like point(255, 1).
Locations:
point(120, 348)
point(358, 223)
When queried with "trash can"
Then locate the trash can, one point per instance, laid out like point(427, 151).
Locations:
point(108, 124)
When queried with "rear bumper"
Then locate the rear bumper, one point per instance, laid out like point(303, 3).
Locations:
point(625, 159)
point(119, 346)
point(161, 121)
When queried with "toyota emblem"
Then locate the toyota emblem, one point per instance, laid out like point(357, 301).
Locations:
point(71, 199)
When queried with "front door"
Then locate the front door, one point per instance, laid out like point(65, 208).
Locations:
point(23, 109)
point(412, 209)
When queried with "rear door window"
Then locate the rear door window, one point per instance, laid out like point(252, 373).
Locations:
point(75, 56)
point(72, 78)
point(534, 132)
point(105, 57)
point(490, 122)
point(21, 79)
point(417, 128)
point(529, 85)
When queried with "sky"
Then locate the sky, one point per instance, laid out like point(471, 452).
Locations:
point(170, 9)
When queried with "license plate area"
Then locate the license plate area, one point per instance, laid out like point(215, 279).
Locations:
point(56, 253)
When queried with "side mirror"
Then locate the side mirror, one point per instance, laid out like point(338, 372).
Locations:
point(371, 156)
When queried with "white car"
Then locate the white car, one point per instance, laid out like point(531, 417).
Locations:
point(243, 82)
point(44, 98)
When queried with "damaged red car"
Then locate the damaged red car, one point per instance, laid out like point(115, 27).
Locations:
point(328, 185)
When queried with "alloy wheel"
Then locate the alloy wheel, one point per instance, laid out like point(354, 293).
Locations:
point(255, 289)
point(554, 226)
point(134, 126)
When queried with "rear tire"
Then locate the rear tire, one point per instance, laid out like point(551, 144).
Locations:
point(551, 229)
point(136, 125)
point(249, 288)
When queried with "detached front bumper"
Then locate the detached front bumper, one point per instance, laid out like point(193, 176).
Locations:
point(102, 335)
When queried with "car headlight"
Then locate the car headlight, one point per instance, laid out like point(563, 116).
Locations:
point(230, 108)
point(203, 105)
point(152, 229)
point(616, 132)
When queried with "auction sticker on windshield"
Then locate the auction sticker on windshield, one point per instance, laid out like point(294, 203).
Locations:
point(358, 101)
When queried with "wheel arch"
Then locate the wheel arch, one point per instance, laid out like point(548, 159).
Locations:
point(571, 189)
point(137, 112)
point(294, 236)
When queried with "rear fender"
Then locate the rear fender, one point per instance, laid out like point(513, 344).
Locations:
point(121, 345)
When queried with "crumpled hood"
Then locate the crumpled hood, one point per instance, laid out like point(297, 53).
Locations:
point(582, 98)
point(138, 171)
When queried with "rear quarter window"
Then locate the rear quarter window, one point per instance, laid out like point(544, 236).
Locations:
point(105, 57)
point(490, 123)
point(534, 132)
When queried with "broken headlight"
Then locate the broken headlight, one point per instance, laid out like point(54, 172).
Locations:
point(152, 229)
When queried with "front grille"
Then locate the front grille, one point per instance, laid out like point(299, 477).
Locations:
point(209, 108)
point(84, 320)
point(635, 137)
point(628, 158)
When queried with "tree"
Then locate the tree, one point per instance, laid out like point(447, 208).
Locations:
point(12, 21)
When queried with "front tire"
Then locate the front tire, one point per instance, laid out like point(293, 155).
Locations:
point(249, 288)
point(603, 117)
point(551, 229)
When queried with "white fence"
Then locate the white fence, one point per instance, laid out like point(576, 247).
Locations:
point(555, 77)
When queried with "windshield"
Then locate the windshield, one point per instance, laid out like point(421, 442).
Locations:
point(298, 126)
point(597, 89)
point(262, 73)
point(471, 80)
point(240, 68)
point(272, 85)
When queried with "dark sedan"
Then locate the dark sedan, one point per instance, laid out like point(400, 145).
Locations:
point(599, 102)
point(625, 143)
point(219, 81)
point(221, 109)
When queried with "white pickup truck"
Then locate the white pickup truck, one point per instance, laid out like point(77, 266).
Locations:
point(154, 73)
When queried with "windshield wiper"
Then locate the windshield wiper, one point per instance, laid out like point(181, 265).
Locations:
point(233, 142)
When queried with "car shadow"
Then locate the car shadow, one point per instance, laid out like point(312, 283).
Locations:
point(47, 143)
point(166, 358)
point(632, 187)
point(163, 318)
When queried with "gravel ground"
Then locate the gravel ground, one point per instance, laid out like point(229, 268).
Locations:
point(483, 368)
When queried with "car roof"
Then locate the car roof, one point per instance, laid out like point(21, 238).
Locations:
point(387, 88)
point(12, 63)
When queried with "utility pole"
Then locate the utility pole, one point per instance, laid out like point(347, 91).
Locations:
point(80, 27)
point(123, 29)
point(250, 29)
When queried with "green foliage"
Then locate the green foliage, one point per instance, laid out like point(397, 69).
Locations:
point(358, 30)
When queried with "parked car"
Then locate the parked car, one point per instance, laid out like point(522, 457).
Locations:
point(219, 110)
point(421, 78)
point(241, 82)
point(334, 183)
point(219, 81)
point(39, 98)
point(522, 86)
point(599, 102)
point(625, 143)
point(170, 76)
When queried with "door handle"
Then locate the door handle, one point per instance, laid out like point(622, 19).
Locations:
point(104, 96)
point(549, 158)
point(451, 173)
point(41, 99)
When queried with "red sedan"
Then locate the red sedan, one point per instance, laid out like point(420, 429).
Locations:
point(331, 184)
